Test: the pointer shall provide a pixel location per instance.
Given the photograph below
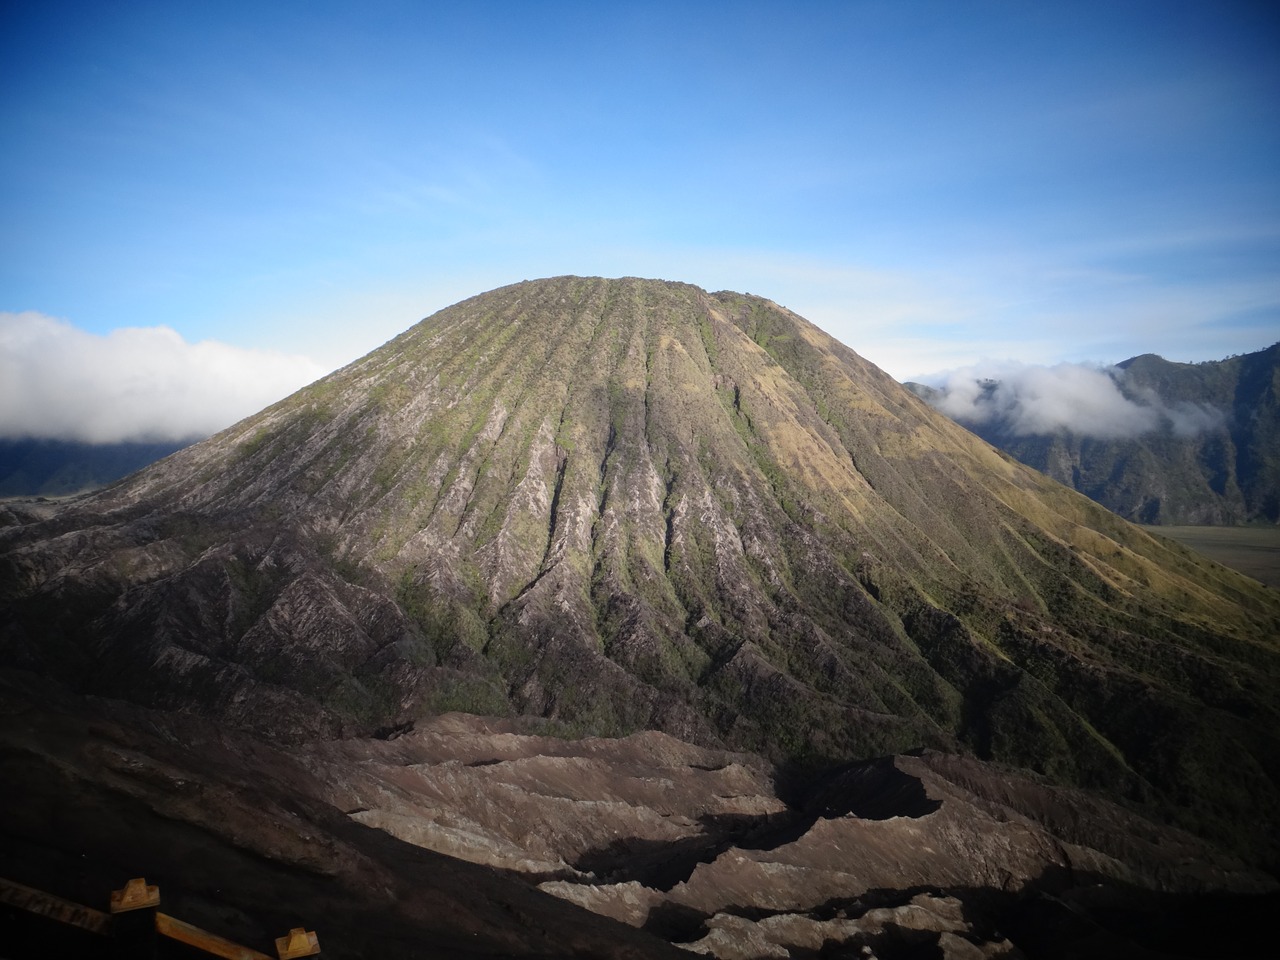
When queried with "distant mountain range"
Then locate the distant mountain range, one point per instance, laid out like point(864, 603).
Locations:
point(57, 468)
point(1210, 452)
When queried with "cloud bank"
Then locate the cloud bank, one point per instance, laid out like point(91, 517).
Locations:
point(138, 383)
point(1028, 399)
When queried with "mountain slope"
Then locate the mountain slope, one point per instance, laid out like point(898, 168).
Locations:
point(626, 504)
point(1216, 463)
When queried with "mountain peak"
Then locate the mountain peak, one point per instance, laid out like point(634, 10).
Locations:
point(1147, 358)
point(625, 504)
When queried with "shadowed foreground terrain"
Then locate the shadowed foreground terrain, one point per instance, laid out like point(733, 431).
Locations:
point(687, 523)
point(924, 855)
point(237, 837)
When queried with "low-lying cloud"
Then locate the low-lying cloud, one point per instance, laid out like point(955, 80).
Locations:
point(1026, 399)
point(138, 383)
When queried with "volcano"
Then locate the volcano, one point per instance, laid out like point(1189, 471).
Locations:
point(598, 507)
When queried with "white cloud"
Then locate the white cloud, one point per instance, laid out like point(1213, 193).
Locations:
point(136, 383)
point(1082, 399)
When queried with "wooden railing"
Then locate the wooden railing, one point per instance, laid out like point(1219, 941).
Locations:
point(135, 925)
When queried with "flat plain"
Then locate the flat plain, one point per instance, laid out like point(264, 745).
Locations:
point(1254, 551)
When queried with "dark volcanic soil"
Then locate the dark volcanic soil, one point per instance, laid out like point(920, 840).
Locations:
point(928, 855)
point(233, 834)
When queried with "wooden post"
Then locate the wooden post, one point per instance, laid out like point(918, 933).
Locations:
point(133, 920)
point(299, 943)
point(137, 894)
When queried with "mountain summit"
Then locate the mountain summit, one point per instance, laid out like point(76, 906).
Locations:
point(626, 504)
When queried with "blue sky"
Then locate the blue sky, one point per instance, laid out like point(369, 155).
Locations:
point(935, 183)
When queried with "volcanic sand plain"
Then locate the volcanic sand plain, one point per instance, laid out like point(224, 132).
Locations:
point(1254, 551)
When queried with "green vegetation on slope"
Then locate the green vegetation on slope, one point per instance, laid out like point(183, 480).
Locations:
point(618, 504)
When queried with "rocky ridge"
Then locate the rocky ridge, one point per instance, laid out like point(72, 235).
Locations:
point(681, 840)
